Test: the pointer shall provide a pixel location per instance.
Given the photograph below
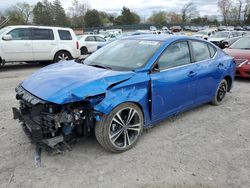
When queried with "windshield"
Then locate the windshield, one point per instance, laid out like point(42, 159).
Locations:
point(221, 34)
point(3, 30)
point(202, 32)
point(242, 43)
point(124, 54)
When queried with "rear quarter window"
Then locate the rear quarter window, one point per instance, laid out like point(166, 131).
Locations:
point(212, 51)
point(200, 51)
point(64, 35)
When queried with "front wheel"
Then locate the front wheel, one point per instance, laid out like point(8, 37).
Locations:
point(220, 93)
point(121, 129)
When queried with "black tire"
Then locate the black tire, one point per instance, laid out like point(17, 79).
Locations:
point(220, 93)
point(62, 56)
point(84, 50)
point(107, 125)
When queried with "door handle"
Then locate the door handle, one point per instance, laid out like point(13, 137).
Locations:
point(220, 65)
point(192, 74)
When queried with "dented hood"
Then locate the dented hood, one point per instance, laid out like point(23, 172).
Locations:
point(69, 81)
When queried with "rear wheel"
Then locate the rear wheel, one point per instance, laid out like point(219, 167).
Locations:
point(121, 129)
point(220, 93)
point(62, 56)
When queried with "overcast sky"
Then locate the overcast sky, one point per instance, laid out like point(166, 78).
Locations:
point(142, 7)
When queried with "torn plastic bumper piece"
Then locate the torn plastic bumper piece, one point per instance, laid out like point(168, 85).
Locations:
point(34, 131)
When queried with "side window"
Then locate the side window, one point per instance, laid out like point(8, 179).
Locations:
point(43, 34)
point(200, 51)
point(64, 35)
point(90, 39)
point(212, 51)
point(175, 55)
point(100, 39)
point(20, 34)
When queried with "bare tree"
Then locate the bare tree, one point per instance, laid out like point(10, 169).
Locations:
point(76, 12)
point(240, 4)
point(246, 10)
point(25, 10)
point(225, 6)
point(188, 12)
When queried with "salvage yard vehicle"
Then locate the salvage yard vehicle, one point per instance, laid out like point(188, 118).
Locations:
point(205, 34)
point(128, 85)
point(37, 44)
point(220, 37)
point(240, 50)
point(89, 43)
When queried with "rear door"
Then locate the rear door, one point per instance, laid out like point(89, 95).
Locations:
point(208, 74)
point(174, 85)
point(19, 48)
point(44, 44)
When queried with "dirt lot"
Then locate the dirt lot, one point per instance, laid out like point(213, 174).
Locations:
point(206, 147)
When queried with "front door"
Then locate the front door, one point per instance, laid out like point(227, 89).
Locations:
point(19, 48)
point(174, 85)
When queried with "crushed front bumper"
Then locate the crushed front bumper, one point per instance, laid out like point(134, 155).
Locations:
point(34, 131)
point(31, 128)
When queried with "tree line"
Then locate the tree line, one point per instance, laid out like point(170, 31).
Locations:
point(80, 15)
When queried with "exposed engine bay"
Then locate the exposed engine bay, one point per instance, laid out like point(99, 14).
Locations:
point(53, 124)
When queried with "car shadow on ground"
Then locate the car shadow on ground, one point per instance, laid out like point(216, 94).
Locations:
point(239, 79)
point(19, 66)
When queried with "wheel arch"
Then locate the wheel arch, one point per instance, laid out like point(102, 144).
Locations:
point(62, 51)
point(229, 82)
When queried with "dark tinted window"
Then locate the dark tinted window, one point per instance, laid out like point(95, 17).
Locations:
point(100, 39)
point(43, 34)
point(200, 51)
point(90, 38)
point(175, 55)
point(20, 34)
point(212, 51)
point(64, 35)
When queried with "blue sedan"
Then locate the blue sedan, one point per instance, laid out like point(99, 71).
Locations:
point(128, 85)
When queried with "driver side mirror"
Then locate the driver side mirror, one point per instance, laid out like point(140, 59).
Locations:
point(7, 37)
point(155, 68)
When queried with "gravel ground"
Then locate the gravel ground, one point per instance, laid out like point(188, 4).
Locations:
point(205, 147)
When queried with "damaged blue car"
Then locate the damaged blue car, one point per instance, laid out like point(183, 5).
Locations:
point(124, 87)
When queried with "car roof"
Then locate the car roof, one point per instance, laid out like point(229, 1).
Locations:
point(36, 26)
point(161, 38)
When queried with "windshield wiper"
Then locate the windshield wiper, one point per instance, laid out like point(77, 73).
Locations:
point(100, 66)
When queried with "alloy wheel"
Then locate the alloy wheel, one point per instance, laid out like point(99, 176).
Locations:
point(125, 127)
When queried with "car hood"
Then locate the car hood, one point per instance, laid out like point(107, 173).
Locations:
point(238, 53)
point(216, 39)
point(69, 81)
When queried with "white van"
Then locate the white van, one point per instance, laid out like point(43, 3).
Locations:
point(37, 43)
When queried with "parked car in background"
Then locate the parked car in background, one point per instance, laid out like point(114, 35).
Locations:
point(37, 44)
point(240, 50)
point(175, 28)
point(131, 84)
point(220, 37)
point(239, 28)
point(222, 28)
point(89, 43)
point(204, 34)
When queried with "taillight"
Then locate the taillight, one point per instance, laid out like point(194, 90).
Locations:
point(77, 45)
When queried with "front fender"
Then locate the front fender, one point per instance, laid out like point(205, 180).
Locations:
point(136, 90)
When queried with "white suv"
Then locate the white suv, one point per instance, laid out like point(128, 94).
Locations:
point(37, 43)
